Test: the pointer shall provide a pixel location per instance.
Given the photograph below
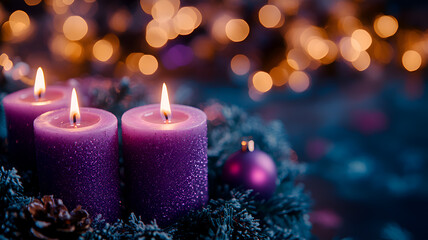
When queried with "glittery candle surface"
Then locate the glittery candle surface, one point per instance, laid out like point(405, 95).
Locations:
point(21, 108)
point(166, 168)
point(80, 165)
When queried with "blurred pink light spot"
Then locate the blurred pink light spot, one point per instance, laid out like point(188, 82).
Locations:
point(235, 168)
point(326, 218)
point(258, 176)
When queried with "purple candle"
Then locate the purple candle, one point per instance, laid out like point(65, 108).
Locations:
point(165, 158)
point(21, 108)
point(77, 158)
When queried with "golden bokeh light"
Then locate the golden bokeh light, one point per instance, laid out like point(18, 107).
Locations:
point(163, 10)
point(411, 60)
point(298, 81)
point(73, 51)
point(120, 20)
point(132, 61)
point(332, 53)
point(167, 26)
point(240, 64)
point(262, 81)
point(156, 37)
point(75, 28)
point(186, 20)
point(363, 38)
point(349, 24)
point(362, 62)
point(68, 2)
point(59, 7)
point(19, 22)
point(203, 47)
point(289, 7)
point(348, 49)
point(6, 62)
point(270, 16)
point(32, 2)
point(279, 76)
point(297, 59)
point(382, 51)
point(102, 50)
point(148, 64)
point(237, 30)
point(385, 26)
point(317, 48)
point(218, 29)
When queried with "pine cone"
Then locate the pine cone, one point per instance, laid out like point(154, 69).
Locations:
point(50, 219)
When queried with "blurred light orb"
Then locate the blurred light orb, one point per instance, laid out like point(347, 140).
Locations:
point(298, 81)
point(156, 37)
point(75, 28)
point(270, 16)
point(262, 81)
point(120, 20)
point(203, 47)
point(6, 62)
point(279, 76)
point(102, 50)
point(187, 19)
point(19, 22)
point(132, 61)
point(363, 38)
point(32, 2)
point(148, 64)
point(73, 51)
point(411, 60)
point(385, 26)
point(297, 59)
point(317, 48)
point(349, 48)
point(162, 10)
point(237, 30)
point(349, 24)
point(68, 2)
point(240, 64)
point(362, 62)
point(332, 53)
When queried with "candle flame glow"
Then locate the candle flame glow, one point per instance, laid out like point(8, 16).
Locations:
point(244, 146)
point(74, 110)
point(39, 84)
point(165, 108)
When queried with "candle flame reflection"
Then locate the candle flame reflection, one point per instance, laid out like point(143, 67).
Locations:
point(74, 110)
point(165, 108)
point(39, 84)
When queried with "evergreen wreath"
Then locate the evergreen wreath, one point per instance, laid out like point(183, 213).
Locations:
point(230, 213)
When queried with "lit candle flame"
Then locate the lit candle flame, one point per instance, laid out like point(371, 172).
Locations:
point(39, 84)
point(244, 146)
point(247, 146)
point(74, 110)
point(165, 108)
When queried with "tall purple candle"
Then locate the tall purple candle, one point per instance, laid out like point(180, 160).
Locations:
point(21, 108)
point(78, 162)
point(165, 160)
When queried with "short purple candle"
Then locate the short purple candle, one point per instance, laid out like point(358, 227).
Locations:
point(79, 163)
point(166, 166)
point(21, 108)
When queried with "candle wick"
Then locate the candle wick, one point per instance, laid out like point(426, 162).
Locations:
point(75, 124)
point(166, 117)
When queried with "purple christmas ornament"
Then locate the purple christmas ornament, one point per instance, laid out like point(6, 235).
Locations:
point(251, 169)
